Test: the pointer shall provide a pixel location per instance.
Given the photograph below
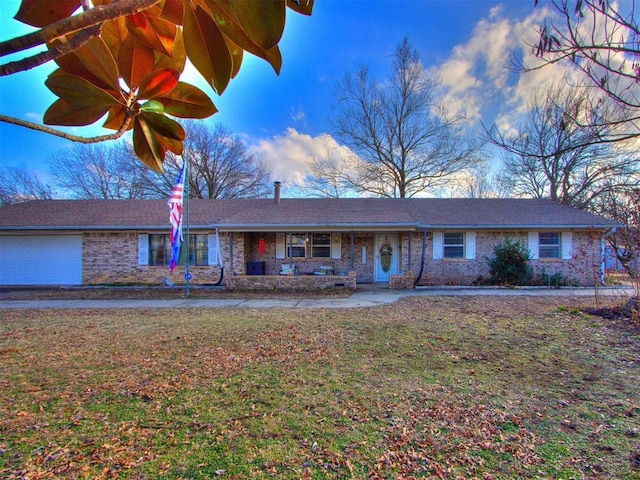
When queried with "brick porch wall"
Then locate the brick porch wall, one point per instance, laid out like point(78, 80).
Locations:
point(291, 282)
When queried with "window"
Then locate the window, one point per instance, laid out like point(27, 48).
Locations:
point(160, 250)
point(454, 245)
point(321, 245)
point(297, 245)
point(549, 245)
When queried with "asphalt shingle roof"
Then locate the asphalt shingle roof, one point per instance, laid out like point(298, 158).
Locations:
point(265, 214)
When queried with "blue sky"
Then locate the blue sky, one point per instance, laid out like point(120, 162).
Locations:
point(285, 119)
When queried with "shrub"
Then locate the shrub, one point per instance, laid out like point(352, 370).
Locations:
point(510, 264)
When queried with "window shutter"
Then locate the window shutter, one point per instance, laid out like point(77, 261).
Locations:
point(280, 245)
point(533, 245)
point(567, 245)
point(438, 247)
point(470, 245)
point(212, 247)
point(143, 249)
point(336, 246)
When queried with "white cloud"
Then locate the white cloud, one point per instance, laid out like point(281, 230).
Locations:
point(477, 78)
point(290, 154)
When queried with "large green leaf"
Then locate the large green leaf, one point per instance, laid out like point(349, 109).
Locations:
point(158, 83)
point(263, 20)
point(135, 61)
point(40, 13)
point(68, 114)
point(207, 49)
point(78, 91)
point(187, 101)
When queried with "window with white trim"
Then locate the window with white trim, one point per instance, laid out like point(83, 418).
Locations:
point(549, 245)
point(453, 245)
point(321, 245)
point(297, 245)
point(160, 250)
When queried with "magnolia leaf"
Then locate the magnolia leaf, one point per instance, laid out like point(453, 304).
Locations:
point(207, 49)
point(153, 106)
point(263, 20)
point(40, 13)
point(116, 118)
point(151, 30)
point(94, 62)
point(237, 54)
point(98, 59)
point(179, 58)
point(163, 125)
point(62, 112)
point(146, 145)
point(231, 28)
point(173, 11)
point(114, 33)
point(135, 60)
point(158, 83)
point(188, 101)
point(301, 6)
point(78, 91)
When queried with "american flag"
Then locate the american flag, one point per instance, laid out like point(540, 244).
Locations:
point(175, 218)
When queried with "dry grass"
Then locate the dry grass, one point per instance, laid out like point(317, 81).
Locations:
point(426, 388)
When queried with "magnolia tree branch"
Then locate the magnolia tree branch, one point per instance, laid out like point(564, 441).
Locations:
point(43, 57)
point(95, 16)
point(74, 138)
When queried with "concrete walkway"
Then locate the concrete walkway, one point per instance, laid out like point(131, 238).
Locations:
point(367, 297)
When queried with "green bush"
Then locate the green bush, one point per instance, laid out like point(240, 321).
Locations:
point(510, 264)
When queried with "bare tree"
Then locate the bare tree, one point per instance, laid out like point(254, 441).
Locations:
point(102, 171)
point(602, 40)
point(557, 153)
point(408, 143)
point(476, 182)
point(220, 165)
point(624, 206)
point(328, 176)
point(19, 185)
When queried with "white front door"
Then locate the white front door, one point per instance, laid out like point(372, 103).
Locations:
point(385, 256)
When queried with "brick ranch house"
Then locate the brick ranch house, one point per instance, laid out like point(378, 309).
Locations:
point(294, 243)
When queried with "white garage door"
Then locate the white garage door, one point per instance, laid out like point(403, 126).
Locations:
point(41, 260)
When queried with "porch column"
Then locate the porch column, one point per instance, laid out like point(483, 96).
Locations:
point(352, 251)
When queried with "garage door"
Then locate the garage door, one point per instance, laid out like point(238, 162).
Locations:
point(41, 260)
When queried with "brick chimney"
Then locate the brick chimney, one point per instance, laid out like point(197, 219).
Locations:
point(276, 192)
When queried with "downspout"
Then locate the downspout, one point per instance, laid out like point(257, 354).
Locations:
point(219, 282)
point(409, 234)
point(424, 251)
point(602, 254)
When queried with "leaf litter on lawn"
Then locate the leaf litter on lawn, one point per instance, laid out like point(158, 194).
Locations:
point(424, 388)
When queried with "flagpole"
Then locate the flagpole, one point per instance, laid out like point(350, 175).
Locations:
point(187, 274)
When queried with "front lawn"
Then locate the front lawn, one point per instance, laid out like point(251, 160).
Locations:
point(495, 388)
